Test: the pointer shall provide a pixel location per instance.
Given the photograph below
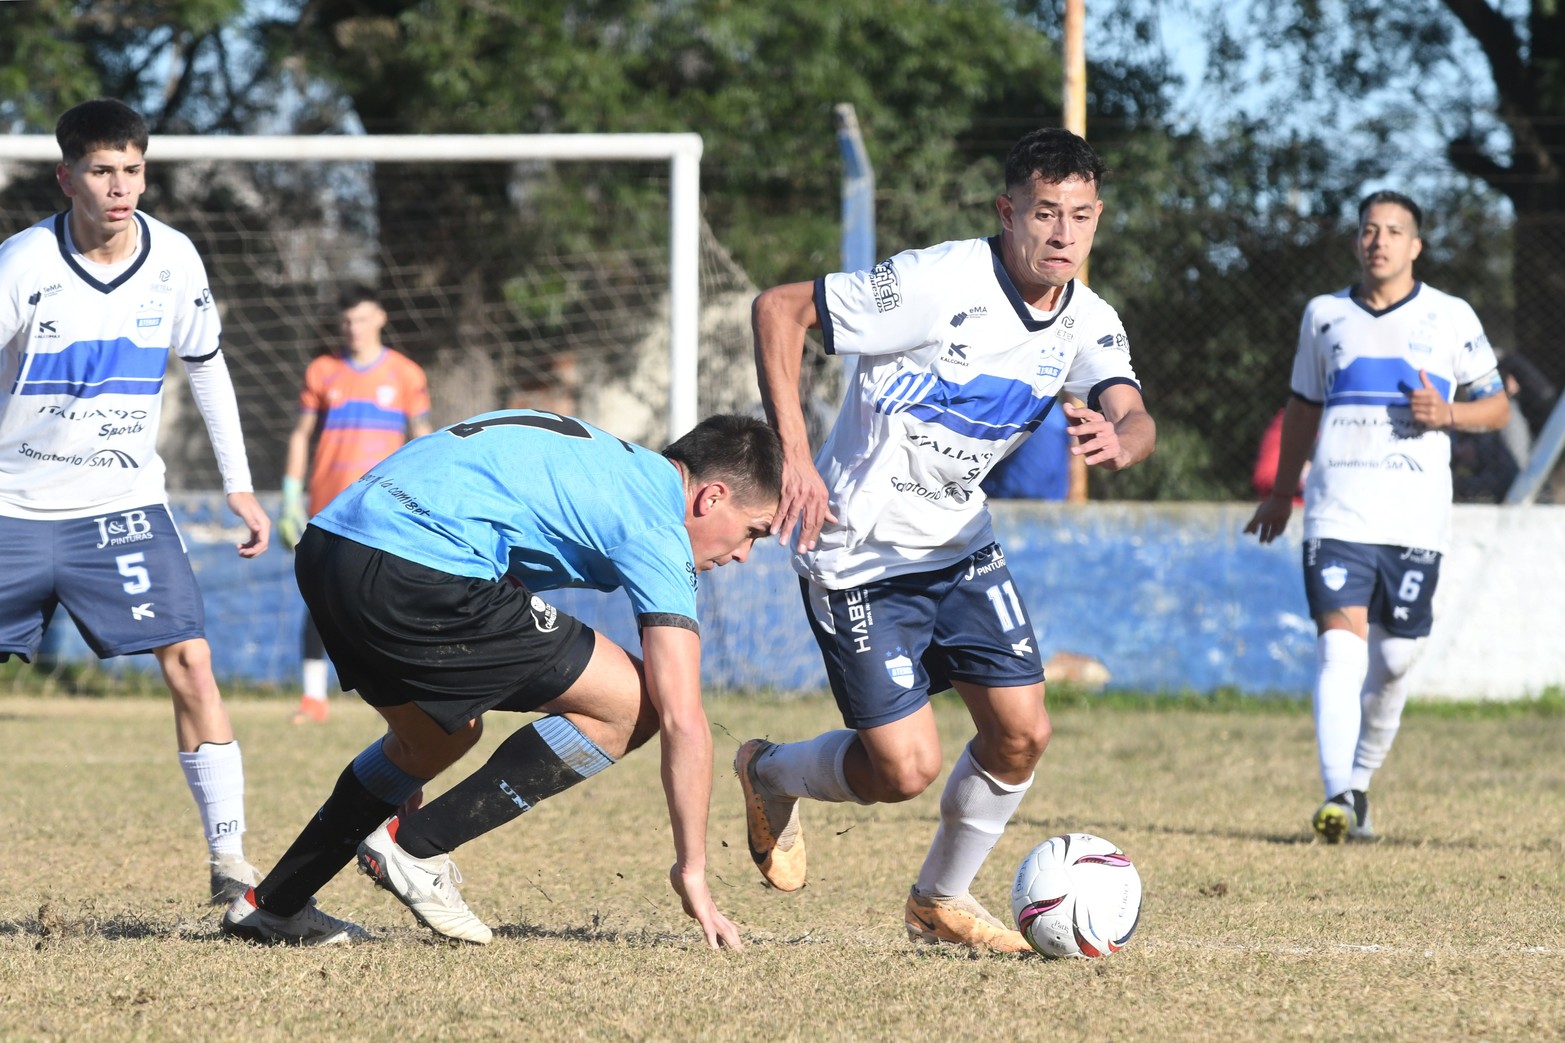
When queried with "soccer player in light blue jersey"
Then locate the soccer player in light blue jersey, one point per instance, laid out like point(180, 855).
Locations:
point(93, 302)
point(962, 349)
point(1375, 379)
point(425, 577)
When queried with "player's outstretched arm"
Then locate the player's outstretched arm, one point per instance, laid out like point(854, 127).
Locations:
point(248, 508)
point(672, 660)
point(778, 320)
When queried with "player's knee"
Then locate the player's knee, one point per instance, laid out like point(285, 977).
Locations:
point(906, 778)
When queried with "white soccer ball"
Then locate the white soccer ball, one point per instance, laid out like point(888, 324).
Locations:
point(1076, 895)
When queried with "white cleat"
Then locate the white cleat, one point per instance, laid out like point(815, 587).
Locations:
point(427, 886)
point(309, 926)
point(231, 877)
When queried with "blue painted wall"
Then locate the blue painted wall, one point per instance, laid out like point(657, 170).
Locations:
point(1167, 598)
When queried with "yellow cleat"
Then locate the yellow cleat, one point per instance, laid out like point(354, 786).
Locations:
point(778, 853)
point(1334, 820)
point(959, 921)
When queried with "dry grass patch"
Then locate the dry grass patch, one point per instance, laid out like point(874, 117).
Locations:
point(1453, 928)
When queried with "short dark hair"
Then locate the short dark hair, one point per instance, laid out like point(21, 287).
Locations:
point(356, 294)
point(1385, 195)
point(101, 123)
point(742, 451)
point(1055, 155)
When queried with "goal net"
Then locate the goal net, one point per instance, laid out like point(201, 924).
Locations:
point(562, 272)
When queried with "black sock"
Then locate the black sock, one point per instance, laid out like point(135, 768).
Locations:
point(536, 762)
point(349, 815)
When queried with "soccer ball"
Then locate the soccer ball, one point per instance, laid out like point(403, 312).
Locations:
point(1076, 895)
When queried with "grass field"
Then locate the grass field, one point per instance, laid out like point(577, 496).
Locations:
point(1453, 928)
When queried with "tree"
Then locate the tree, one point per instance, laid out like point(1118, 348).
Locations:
point(1487, 78)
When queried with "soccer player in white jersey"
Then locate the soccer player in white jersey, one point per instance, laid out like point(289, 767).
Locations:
point(1375, 377)
point(92, 302)
point(962, 349)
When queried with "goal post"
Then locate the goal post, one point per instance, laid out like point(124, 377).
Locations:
point(681, 152)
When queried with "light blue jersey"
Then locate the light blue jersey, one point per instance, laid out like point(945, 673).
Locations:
point(548, 499)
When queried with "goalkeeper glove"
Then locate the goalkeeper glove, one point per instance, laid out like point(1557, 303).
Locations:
point(291, 525)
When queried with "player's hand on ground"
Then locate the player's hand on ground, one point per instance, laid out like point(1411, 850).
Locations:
point(803, 502)
point(696, 898)
point(1429, 405)
point(1271, 518)
point(248, 508)
point(1097, 441)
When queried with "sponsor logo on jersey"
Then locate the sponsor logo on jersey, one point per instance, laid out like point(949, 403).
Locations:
point(907, 485)
point(950, 452)
point(1401, 462)
point(976, 312)
point(143, 611)
point(61, 413)
point(1418, 348)
point(113, 431)
point(127, 527)
point(1022, 649)
point(956, 355)
point(545, 616)
point(886, 286)
point(97, 458)
point(900, 668)
point(1418, 556)
point(861, 617)
point(1334, 576)
point(205, 300)
point(46, 330)
point(1400, 612)
point(49, 291)
point(402, 496)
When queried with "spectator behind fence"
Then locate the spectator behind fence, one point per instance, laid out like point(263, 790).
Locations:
point(1264, 476)
point(1375, 375)
point(93, 302)
point(365, 400)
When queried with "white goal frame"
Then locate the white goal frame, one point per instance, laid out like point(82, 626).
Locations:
point(681, 150)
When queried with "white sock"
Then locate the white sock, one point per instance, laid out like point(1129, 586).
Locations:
point(1341, 662)
point(974, 808)
point(314, 671)
point(811, 768)
point(216, 777)
point(1385, 693)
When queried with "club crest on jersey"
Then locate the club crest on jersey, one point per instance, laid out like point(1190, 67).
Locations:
point(385, 396)
point(1334, 576)
point(149, 315)
point(900, 668)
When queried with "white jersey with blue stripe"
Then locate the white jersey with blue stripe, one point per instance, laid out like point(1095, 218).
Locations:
point(954, 368)
point(82, 364)
point(550, 500)
point(1376, 475)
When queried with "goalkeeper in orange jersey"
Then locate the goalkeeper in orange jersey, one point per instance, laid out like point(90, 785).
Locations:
point(364, 400)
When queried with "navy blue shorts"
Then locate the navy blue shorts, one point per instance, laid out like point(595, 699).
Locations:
point(124, 577)
point(399, 632)
point(890, 643)
point(1396, 584)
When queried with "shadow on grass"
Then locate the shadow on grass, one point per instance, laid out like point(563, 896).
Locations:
point(53, 924)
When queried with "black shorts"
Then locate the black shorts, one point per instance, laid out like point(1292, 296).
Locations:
point(399, 632)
